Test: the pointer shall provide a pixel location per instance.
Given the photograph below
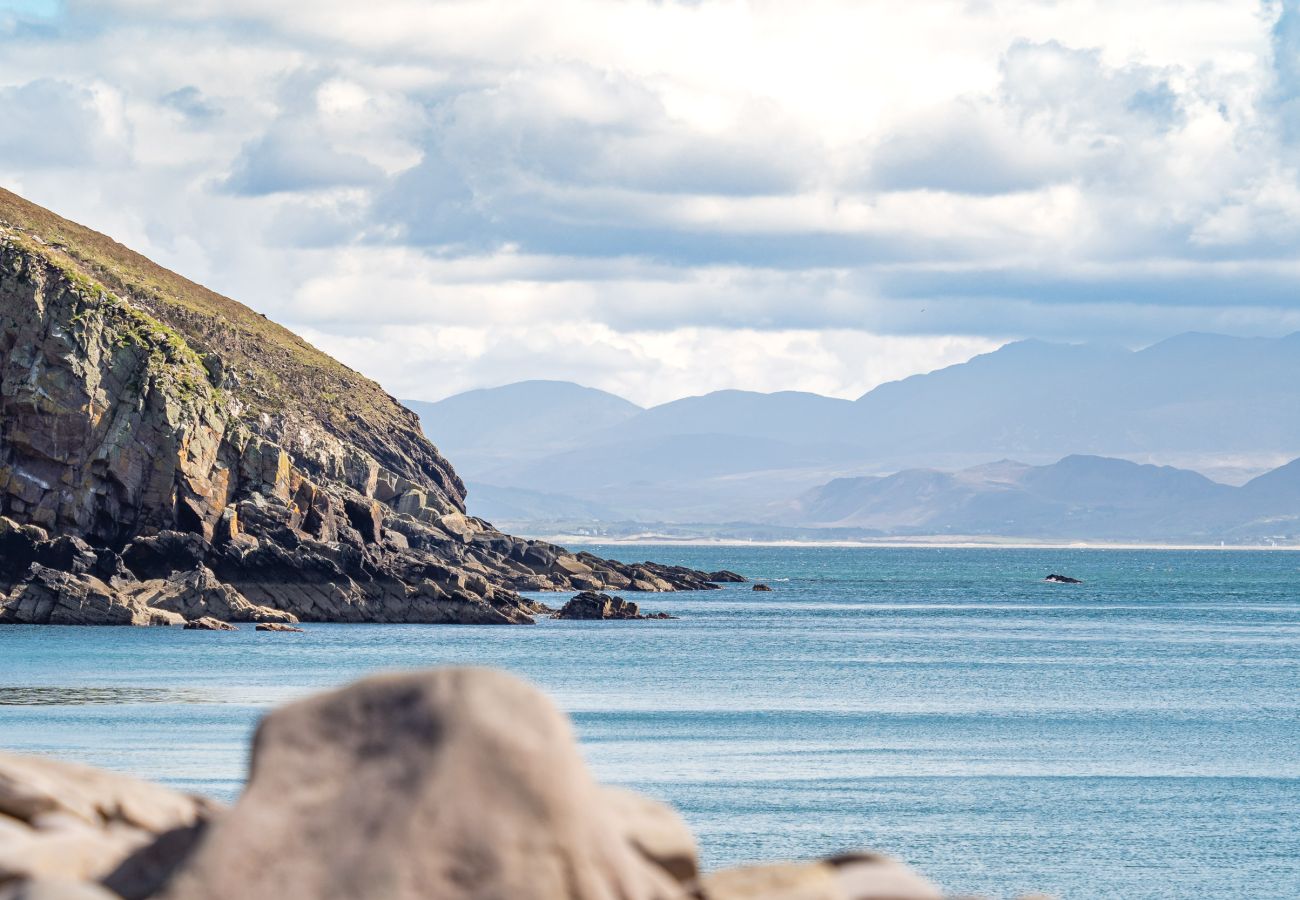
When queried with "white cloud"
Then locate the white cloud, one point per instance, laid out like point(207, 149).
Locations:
point(460, 193)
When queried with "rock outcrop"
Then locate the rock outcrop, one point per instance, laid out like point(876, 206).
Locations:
point(1062, 579)
point(460, 784)
point(207, 623)
point(592, 605)
point(152, 430)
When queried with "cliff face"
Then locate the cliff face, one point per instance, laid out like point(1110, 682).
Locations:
point(164, 429)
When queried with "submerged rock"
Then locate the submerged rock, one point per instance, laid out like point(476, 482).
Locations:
point(1062, 579)
point(761, 587)
point(593, 605)
point(277, 626)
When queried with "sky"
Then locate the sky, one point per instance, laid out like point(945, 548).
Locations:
point(666, 198)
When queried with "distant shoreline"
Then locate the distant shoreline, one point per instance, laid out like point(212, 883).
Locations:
point(929, 542)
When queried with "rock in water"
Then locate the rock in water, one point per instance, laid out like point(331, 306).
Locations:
point(761, 587)
point(157, 431)
point(458, 784)
point(277, 626)
point(1062, 579)
point(207, 623)
point(592, 605)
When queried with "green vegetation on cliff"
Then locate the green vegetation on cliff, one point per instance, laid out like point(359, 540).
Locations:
point(272, 373)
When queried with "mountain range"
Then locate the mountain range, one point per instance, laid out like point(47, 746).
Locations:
point(1226, 407)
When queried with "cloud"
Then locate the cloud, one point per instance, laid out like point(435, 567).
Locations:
point(51, 123)
point(190, 102)
point(578, 185)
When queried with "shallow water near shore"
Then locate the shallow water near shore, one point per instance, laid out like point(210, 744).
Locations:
point(1134, 736)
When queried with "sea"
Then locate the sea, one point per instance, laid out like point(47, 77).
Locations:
point(1134, 736)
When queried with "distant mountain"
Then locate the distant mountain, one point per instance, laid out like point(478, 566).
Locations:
point(1079, 497)
point(524, 420)
point(1227, 407)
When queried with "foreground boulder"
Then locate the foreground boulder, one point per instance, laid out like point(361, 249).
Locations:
point(61, 824)
point(459, 783)
point(592, 605)
point(451, 784)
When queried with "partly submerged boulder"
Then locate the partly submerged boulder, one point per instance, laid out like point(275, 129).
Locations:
point(1062, 579)
point(208, 623)
point(593, 605)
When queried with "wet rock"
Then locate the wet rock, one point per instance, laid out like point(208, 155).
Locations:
point(592, 605)
point(276, 626)
point(456, 784)
point(1062, 579)
point(725, 577)
point(207, 623)
point(761, 587)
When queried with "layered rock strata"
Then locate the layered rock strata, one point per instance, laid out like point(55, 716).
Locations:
point(166, 449)
point(459, 784)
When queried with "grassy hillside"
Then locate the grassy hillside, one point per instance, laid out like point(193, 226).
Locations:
point(264, 366)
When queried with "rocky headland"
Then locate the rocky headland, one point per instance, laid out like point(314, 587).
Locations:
point(168, 454)
point(450, 784)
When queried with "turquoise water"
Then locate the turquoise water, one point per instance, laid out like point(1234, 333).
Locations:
point(1135, 736)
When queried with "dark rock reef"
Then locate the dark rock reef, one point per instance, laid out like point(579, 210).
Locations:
point(592, 605)
point(1062, 579)
point(457, 784)
point(167, 452)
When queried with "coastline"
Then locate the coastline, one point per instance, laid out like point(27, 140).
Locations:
point(928, 542)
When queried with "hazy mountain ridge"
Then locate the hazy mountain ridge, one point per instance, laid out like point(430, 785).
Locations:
point(1225, 406)
point(1080, 497)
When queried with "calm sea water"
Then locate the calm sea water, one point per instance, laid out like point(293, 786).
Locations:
point(1135, 736)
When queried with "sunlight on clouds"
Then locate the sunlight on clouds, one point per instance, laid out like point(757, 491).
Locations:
point(608, 188)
